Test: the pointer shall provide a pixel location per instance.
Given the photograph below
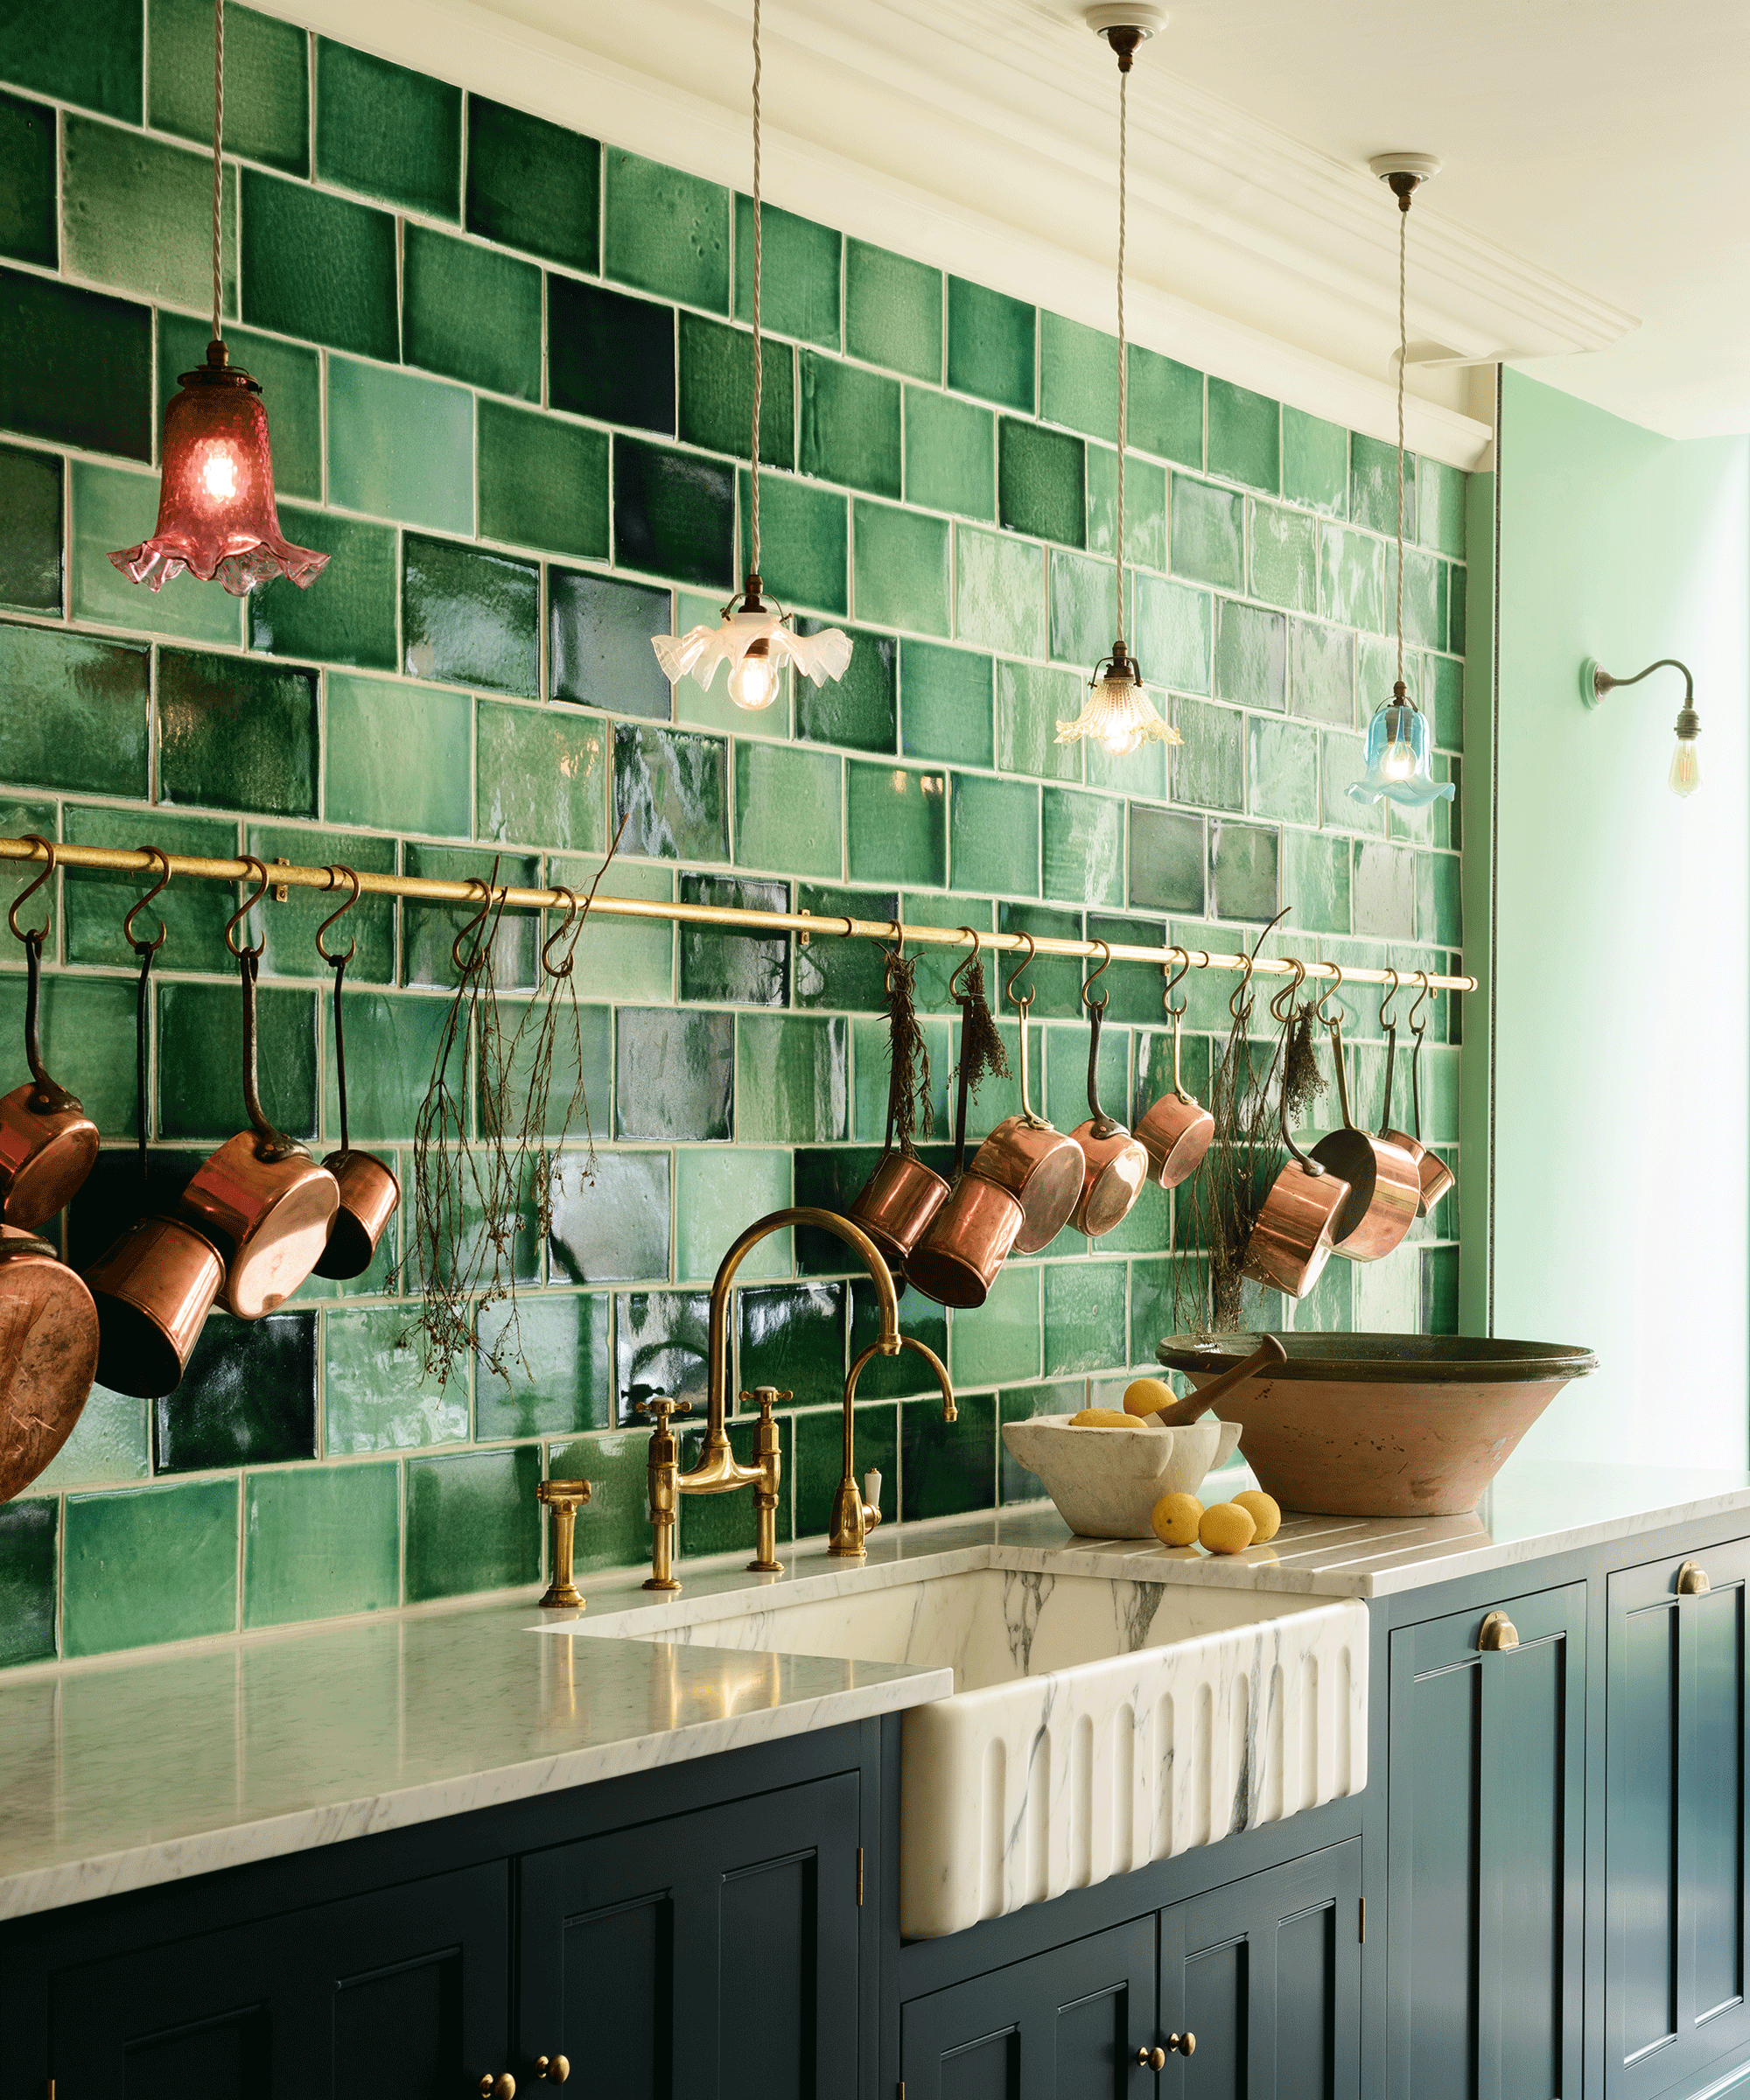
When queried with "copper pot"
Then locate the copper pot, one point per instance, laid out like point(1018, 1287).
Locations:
point(1115, 1165)
point(974, 1232)
point(369, 1193)
point(1035, 1163)
point(48, 1143)
point(1177, 1131)
point(1412, 1148)
point(48, 1356)
point(153, 1291)
point(902, 1195)
point(1384, 1190)
point(1292, 1239)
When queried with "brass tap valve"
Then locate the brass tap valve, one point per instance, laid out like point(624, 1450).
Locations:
point(852, 1518)
point(663, 1467)
point(769, 1457)
point(565, 1499)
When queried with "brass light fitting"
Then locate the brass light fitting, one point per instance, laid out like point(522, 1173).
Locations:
point(1685, 776)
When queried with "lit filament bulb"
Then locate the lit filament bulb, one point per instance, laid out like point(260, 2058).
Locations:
point(218, 473)
point(753, 682)
point(1399, 762)
point(1685, 775)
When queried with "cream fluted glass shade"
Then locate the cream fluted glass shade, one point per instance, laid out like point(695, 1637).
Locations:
point(1118, 713)
point(772, 641)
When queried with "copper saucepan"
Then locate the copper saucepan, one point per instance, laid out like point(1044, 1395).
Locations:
point(1024, 1155)
point(1292, 1241)
point(899, 1200)
point(1177, 1132)
point(1412, 1147)
point(1437, 1177)
point(369, 1191)
point(1115, 1163)
point(48, 1356)
point(47, 1142)
point(1384, 1186)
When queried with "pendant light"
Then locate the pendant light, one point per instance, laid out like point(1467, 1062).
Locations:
point(216, 512)
point(754, 637)
point(1398, 746)
point(1118, 712)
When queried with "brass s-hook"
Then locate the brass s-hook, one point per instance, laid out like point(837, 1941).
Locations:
point(1175, 980)
point(1419, 1028)
point(1243, 990)
point(1019, 972)
point(30, 890)
point(1282, 1005)
point(1097, 1005)
point(245, 907)
point(148, 948)
point(476, 925)
point(961, 967)
point(549, 966)
point(1336, 985)
point(1387, 1020)
point(339, 961)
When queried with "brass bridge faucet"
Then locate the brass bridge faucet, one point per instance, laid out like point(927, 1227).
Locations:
point(852, 1518)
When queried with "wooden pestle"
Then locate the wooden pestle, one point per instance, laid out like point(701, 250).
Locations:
point(1265, 1357)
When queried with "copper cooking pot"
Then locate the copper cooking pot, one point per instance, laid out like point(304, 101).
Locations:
point(48, 1143)
point(1115, 1163)
point(1176, 1132)
point(973, 1233)
point(1024, 1155)
point(48, 1356)
point(369, 1193)
point(902, 1195)
point(1293, 1237)
point(1437, 1177)
point(1384, 1186)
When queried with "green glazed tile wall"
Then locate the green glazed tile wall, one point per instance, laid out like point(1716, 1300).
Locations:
point(510, 376)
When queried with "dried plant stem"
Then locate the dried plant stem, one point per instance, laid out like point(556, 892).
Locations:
point(909, 1105)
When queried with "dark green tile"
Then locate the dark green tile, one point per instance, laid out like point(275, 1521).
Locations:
point(267, 82)
point(1041, 483)
point(387, 131)
point(994, 834)
point(200, 1055)
point(92, 56)
point(1282, 761)
point(291, 379)
point(1315, 463)
point(989, 344)
point(375, 730)
point(28, 215)
point(471, 313)
point(1439, 1307)
point(1207, 534)
point(114, 506)
point(1457, 582)
point(1321, 673)
point(804, 541)
point(800, 264)
point(673, 788)
point(318, 267)
point(1144, 507)
point(1352, 577)
point(673, 513)
point(236, 734)
point(1084, 1316)
point(729, 969)
point(429, 931)
point(598, 631)
point(849, 424)
point(1056, 980)
point(555, 1347)
point(848, 976)
point(1373, 486)
point(543, 483)
point(113, 1195)
point(149, 1565)
point(999, 592)
point(533, 186)
point(321, 1541)
point(860, 709)
point(1284, 557)
point(392, 1045)
point(1243, 872)
point(1166, 407)
point(950, 454)
point(615, 1530)
point(1166, 859)
point(472, 1523)
point(610, 1222)
point(945, 701)
point(717, 391)
point(539, 776)
point(792, 1335)
point(948, 1467)
point(724, 1523)
point(789, 809)
point(194, 912)
point(1244, 436)
point(893, 311)
point(896, 825)
point(1030, 701)
point(1079, 377)
point(658, 1348)
point(75, 366)
point(27, 1580)
point(470, 618)
point(248, 1397)
point(896, 1377)
point(667, 232)
point(1208, 769)
point(1251, 655)
point(18, 816)
point(76, 712)
point(675, 1074)
point(31, 501)
point(791, 1079)
point(610, 355)
point(1083, 840)
point(348, 615)
point(87, 1026)
point(1447, 709)
point(820, 1459)
point(903, 567)
point(1173, 625)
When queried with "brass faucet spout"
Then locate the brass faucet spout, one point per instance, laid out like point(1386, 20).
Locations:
point(852, 1518)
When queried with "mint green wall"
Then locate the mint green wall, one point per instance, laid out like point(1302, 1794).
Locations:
point(1621, 935)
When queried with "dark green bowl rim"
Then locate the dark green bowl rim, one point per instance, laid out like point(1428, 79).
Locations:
point(1388, 1359)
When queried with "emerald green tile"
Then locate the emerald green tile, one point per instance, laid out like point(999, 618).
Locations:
point(75, 366)
point(610, 1225)
point(1166, 859)
point(1083, 843)
point(994, 834)
point(1208, 769)
point(792, 1335)
point(1315, 463)
point(1144, 507)
point(429, 931)
point(318, 267)
point(820, 1459)
point(896, 825)
point(1251, 655)
point(666, 232)
point(1315, 875)
point(1084, 609)
point(1031, 701)
point(849, 424)
point(320, 1542)
point(945, 701)
point(833, 972)
point(29, 220)
point(471, 313)
point(1207, 534)
point(113, 507)
point(1041, 482)
point(533, 185)
point(675, 1074)
point(903, 569)
point(555, 1346)
point(201, 1058)
point(724, 1523)
point(1382, 888)
point(236, 734)
point(375, 728)
point(1173, 634)
point(1373, 486)
point(30, 557)
point(717, 1194)
point(543, 483)
point(403, 447)
point(872, 1062)
point(88, 1028)
point(348, 615)
point(1440, 518)
point(599, 632)
point(1079, 377)
point(1165, 407)
point(148, 1564)
point(1021, 1403)
point(472, 1523)
point(791, 1079)
point(1284, 557)
point(248, 1397)
point(673, 513)
point(376, 1393)
point(827, 1178)
point(291, 379)
point(610, 355)
point(896, 1377)
point(1439, 914)
point(1457, 582)
point(138, 213)
point(92, 57)
point(947, 1468)
point(1439, 1295)
point(950, 454)
point(18, 816)
point(717, 391)
point(392, 1046)
point(1352, 577)
point(1321, 673)
point(1000, 1341)
point(76, 712)
point(470, 618)
point(540, 777)
point(1447, 703)
point(1148, 1229)
point(27, 1580)
point(804, 541)
point(194, 912)
point(999, 592)
point(388, 131)
point(990, 345)
point(1084, 1316)
point(893, 311)
point(673, 788)
point(1243, 861)
point(615, 1530)
point(1055, 979)
point(660, 1348)
point(267, 82)
point(788, 809)
point(1283, 766)
point(1154, 1309)
point(1244, 436)
point(729, 969)
point(800, 265)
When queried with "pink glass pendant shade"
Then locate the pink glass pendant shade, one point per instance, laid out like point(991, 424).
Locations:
point(216, 512)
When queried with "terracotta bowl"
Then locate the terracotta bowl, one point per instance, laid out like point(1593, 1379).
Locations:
point(1382, 1425)
point(1106, 1481)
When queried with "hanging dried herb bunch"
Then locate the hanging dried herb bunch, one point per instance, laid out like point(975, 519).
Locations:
point(909, 1105)
point(1301, 1076)
point(982, 1047)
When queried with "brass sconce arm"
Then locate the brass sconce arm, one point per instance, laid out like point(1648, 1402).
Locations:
point(852, 1518)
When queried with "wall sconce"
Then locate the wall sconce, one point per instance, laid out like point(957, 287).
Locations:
point(1685, 775)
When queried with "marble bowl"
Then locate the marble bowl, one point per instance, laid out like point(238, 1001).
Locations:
point(1106, 1481)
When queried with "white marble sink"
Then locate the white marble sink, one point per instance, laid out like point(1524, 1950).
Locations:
point(1095, 1723)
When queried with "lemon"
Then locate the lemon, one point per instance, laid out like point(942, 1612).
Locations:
point(1175, 1518)
point(1226, 1528)
point(1146, 1395)
point(1263, 1510)
point(1102, 1417)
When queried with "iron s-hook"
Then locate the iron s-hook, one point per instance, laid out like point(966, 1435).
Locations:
point(148, 947)
point(30, 890)
point(243, 910)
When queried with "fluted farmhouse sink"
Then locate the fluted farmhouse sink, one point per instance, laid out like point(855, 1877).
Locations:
point(1094, 1725)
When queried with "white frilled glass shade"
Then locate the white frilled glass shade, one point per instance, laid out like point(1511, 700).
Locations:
point(1397, 760)
point(702, 649)
point(1118, 713)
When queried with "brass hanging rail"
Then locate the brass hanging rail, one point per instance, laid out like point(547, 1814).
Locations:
point(472, 890)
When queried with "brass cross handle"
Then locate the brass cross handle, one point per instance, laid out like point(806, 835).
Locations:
point(661, 1408)
point(765, 1397)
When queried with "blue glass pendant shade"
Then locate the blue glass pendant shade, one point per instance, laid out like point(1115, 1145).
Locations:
point(1398, 758)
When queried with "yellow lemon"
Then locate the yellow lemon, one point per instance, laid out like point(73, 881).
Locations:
point(1146, 1395)
point(1175, 1518)
point(1102, 1417)
point(1263, 1510)
point(1226, 1528)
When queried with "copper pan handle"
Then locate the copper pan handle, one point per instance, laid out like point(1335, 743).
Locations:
point(1390, 1060)
point(1038, 1123)
point(1341, 1058)
point(274, 1144)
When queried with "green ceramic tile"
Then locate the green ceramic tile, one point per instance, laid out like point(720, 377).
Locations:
point(1438, 914)
point(829, 972)
point(800, 265)
point(950, 454)
point(948, 1467)
point(1352, 577)
point(348, 615)
point(291, 379)
point(376, 1393)
point(903, 570)
point(788, 809)
point(610, 356)
point(598, 631)
point(849, 424)
point(945, 701)
point(1031, 701)
point(1084, 609)
point(871, 1062)
point(149, 1565)
point(18, 816)
point(1284, 557)
point(1315, 874)
point(1000, 1340)
point(76, 366)
point(1283, 766)
point(574, 1105)
point(615, 1530)
point(1166, 859)
point(320, 1542)
point(318, 267)
point(673, 513)
point(1457, 583)
point(429, 931)
point(1144, 507)
point(1174, 630)
point(236, 734)
point(539, 776)
point(471, 313)
point(389, 132)
point(673, 788)
point(1321, 673)
point(29, 220)
point(398, 756)
point(717, 391)
point(716, 1195)
point(110, 1442)
point(555, 1346)
point(113, 507)
point(820, 1460)
point(994, 834)
point(1441, 519)
point(472, 1523)
point(804, 541)
point(1244, 436)
point(792, 1335)
point(1251, 655)
point(76, 712)
point(722, 968)
point(138, 214)
point(1315, 463)
point(470, 618)
point(791, 1079)
point(1207, 534)
point(895, 1377)
point(610, 1225)
point(893, 311)
point(1244, 873)
point(1154, 1310)
point(1166, 407)
point(861, 708)
point(1079, 377)
point(667, 232)
point(1373, 486)
point(30, 557)
point(1000, 592)
point(533, 185)
point(1383, 890)
point(1056, 980)
point(724, 1523)
point(1447, 703)
point(1083, 842)
point(675, 1074)
point(1208, 769)
point(1328, 1308)
point(543, 483)
point(990, 345)
point(194, 912)
point(1084, 1316)
point(660, 1348)
point(200, 1055)
point(87, 1026)
point(248, 1397)
point(93, 57)
point(267, 82)
point(392, 1046)
point(635, 956)
point(896, 825)
point(1424, 597)
point(1041, 482)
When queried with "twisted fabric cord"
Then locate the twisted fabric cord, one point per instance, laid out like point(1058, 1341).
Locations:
point(1402, 352)
point(218, 137)
point(1124, 361)
point(758, 363)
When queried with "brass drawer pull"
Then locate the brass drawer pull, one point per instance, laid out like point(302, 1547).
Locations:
point(1151, 2060)
point(555, 2068)
point(499, 2087)
point(1182, 2045)
point(1692, 1579)
point(1498, 1632)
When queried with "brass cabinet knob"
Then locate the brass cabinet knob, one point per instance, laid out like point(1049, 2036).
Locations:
point(1497, 1632)
point(1151, 2060)
point(555, 2069)
point(498, 2085)
point(1692, 1579)
point(1182, 2045)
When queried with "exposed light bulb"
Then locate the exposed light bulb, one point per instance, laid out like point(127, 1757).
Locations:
point(218, 473)
point(753, 682)
point(1685, 775)
point(1399, 761)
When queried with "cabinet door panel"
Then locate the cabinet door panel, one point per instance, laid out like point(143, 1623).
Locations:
point(1217, 2009)
point(1436, 1941)
point(1713, 1800)
point(1642, 1748)
point(634, 1944)
point(1309, 2012)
